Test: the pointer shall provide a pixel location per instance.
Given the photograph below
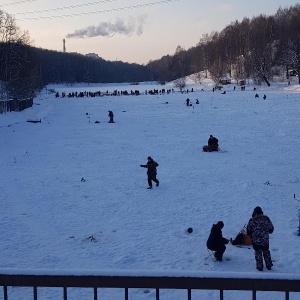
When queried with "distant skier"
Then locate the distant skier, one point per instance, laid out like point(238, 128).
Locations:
point(187, 102)
point(151, 171)
point(216, 242)
point(111, 116)
point(259, 228)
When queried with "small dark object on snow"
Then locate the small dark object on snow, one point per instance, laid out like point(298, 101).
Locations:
point(34, 121)
point(97, 122)
point(82, 179)
point(190, 230)
point(92, 238)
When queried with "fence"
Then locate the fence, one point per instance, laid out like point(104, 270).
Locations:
point(15, 105)
point(207, 281)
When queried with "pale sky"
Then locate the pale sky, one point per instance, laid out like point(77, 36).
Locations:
point(130, 30)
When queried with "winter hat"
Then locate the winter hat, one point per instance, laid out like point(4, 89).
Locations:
point(220, 224)
point(257, 211)
point(149, 158)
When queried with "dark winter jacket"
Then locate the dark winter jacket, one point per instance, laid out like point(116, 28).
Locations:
point(151, 167)
point(259, 228)
point(216, 240)
point(213, 143)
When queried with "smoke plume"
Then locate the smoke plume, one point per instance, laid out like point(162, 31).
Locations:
point(132, 26)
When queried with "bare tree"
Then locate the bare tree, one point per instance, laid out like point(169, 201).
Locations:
point(289, 43)
point(19, 71)
point(178, 69)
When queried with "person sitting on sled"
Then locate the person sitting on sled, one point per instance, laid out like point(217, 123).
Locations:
point(212, 144)
point(216, 242)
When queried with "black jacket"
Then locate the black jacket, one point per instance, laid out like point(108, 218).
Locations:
point(151, 167)
point(213, 141)
point(216, 239)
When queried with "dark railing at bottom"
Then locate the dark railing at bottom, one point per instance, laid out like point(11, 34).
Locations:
point(152, 282)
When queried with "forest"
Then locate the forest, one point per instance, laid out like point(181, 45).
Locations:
point(257, 49)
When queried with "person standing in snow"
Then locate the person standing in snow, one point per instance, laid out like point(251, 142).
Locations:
point(111, 116)
point(259, 228)
point(216, 242)
point(151, 171)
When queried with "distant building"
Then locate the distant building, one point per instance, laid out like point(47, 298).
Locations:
point(242, 82)
point(225, 80)
point(93, 55)
point(291, 73)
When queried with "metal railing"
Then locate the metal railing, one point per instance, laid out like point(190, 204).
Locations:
point(15, 105)
point(206, 281)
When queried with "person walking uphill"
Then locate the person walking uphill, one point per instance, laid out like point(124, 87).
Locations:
point(216, 242)
point(151, 171)
point(259, 228)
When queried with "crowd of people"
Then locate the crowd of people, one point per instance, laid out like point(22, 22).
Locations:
point(84, 94)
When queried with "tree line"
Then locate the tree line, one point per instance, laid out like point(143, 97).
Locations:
point(25, 70)
point(256, 48)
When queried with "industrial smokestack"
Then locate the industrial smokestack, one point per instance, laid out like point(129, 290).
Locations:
point(64, 45)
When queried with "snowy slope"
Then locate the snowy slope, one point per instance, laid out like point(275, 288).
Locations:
point(67, 178)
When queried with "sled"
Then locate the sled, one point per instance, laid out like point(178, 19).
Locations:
point(206, 148)
point(34, 121)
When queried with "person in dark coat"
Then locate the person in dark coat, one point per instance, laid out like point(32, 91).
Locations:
point(111, 116)
point(259, 227)
point(216, 242)
point(213, 143)
point(151, 171)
